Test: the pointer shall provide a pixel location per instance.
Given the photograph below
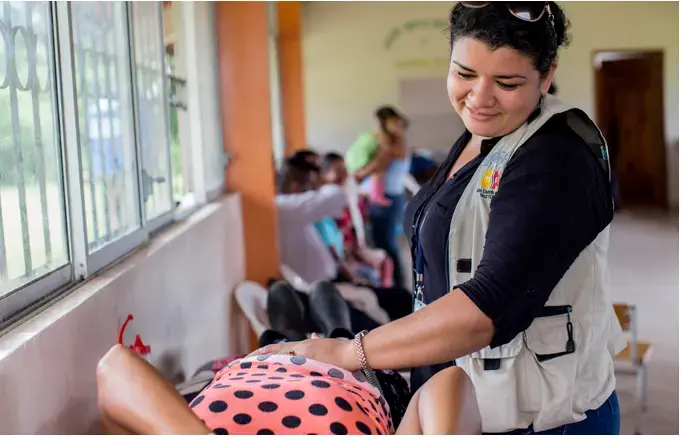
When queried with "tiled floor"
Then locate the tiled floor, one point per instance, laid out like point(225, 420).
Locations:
point(644, 270)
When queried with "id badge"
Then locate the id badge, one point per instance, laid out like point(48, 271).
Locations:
point(418, 304)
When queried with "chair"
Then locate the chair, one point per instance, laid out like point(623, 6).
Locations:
point(636, 355)
point(252, 299)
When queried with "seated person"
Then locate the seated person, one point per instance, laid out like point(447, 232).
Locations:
point(422, 168)
point(308, 155)
point(281, 394)
point(356, 263)
point(299, 207)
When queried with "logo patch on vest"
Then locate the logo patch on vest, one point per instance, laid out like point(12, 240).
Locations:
point(489, 184)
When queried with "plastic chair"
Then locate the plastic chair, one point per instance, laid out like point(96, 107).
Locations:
point(252, 299)
point(636, 355)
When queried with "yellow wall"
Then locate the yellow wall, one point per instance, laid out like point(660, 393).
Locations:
point(348, 71)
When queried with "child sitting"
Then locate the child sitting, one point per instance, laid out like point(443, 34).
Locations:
point(356, 263)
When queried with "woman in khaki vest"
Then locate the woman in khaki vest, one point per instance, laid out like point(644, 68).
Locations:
point(549, 206)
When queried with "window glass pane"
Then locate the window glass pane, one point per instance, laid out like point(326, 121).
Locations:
point(100, 50)
point(32, 214)
point(180, 140)
point(175, 86)
point(152, 126)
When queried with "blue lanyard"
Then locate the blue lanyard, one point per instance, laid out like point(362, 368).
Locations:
point(419, 284)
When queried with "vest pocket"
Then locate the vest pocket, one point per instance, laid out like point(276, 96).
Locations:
point(551, 334)
point(551, 339)
point(493, 372)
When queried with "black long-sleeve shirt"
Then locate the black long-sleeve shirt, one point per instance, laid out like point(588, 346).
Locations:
point(554, 198)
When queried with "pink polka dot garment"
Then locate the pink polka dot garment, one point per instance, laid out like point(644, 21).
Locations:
point(291, 395)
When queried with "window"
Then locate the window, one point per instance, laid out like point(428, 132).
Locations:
point(32, 216)
point(104, 100)
point(151, 73)
point(87, 165)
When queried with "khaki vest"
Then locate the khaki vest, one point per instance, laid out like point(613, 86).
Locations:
point(539, 378)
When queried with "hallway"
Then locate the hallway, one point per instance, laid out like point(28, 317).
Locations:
point(644, 270)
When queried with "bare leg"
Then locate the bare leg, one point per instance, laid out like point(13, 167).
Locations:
point(135, 398)
point(411, 424)
point(446, 404)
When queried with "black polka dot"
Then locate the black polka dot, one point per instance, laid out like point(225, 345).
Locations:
point(246, 365)
point(218, 386)
point(242, 419)
point(343, 404)
point(253, 381)
point(220, 431)
point(382, 400)
point(271, 386)
point(241, 374)
point(297, 375)
point(373, 406)
point(338, 428)
point(268, 407)
point(361, 408)
point(359, 376)
point(298, 360)
point(218, 406)
point(315, 374)
point(378, 431)
point(242, 394)
point(265, 432)
point(236, 378)
point(263, 367)
point(277, 363)
point(320, 384)
point(336, 373)
point(276, 378)
point(197, 401)
point(263, 358)
point(280, 370)
point(259, 374)
point(318, 410)
point(294, 395)
point(291, 422)
point(377, 420)
point(364, 428)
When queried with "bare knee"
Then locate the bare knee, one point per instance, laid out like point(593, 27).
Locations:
point(109, 367)
point(113, 362)
point(453, 389)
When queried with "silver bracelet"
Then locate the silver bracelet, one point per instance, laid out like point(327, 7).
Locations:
point(368, 372)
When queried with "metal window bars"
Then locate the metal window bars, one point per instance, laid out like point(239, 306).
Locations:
point(70, 201)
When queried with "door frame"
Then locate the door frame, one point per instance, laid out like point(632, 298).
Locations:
point(656, 59)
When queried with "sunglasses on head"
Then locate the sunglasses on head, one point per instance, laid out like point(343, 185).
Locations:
point(526, 11)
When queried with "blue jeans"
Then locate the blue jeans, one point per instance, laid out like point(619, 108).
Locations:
point(384, 231)
point(602, 421)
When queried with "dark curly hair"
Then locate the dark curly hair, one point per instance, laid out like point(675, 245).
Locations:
point(495, 26)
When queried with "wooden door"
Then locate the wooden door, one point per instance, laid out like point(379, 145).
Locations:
point(629, 111)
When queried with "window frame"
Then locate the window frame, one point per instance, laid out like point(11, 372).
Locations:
point(82, 265)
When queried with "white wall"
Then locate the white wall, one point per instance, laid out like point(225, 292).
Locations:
point(179, 290)
point(348, 71)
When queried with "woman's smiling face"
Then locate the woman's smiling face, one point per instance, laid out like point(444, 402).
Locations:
point(493, 91)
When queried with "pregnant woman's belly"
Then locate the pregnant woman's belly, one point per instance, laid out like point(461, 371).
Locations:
point(291, 395)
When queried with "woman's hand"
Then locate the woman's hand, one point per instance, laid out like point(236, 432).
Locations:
point(338, 352)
